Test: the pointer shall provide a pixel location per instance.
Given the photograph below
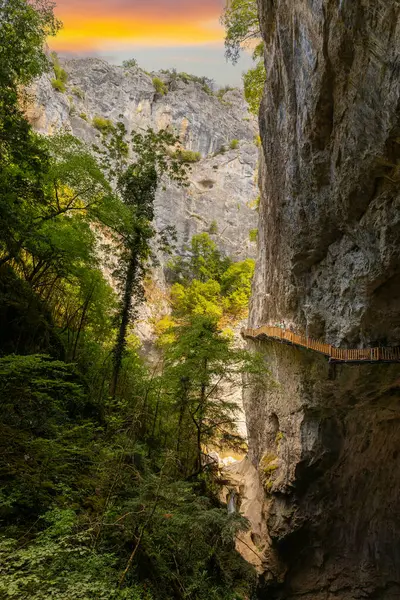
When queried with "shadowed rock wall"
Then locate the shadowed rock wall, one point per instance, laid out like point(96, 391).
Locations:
point(330, 128)
point(326, 440)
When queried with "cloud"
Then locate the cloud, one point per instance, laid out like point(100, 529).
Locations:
point(150, 9)
point(94, 24)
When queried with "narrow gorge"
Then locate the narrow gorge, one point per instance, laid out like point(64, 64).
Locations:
point(200, 301)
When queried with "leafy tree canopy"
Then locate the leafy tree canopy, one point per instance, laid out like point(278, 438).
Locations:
point(208, 283)
point(240, 19)
point(242, 30)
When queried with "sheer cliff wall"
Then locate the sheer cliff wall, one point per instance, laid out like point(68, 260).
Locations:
point(326, 439)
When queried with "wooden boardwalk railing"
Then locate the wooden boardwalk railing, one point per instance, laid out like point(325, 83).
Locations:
point(334, 354)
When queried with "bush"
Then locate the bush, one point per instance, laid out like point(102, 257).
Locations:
point(130, 64)
point(59, 72)
point(78, 93)
point(160, 86)
point(83, 116)
point(234, 144)
point(102, 124)
point(253, 235)
point(188, 156)
point(213, 229)
point(58, 85)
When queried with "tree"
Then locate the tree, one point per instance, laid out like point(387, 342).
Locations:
point(208, 283)
point(92, 501)
point(242, 30)
point(137, 183)
point(201, 365)
point(203, 261)
point(240, 19)
point(24, 28)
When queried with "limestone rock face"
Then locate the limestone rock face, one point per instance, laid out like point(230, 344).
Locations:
point(221, 197)
point(324, 439)
point(330, 231)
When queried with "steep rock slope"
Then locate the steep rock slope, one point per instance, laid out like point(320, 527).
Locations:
point(330, 129)
point(223, 186)
point(325, 439)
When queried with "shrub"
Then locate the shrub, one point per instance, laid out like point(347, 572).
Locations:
point(78, 93)
point(253, 235)
point(58, 85)
point(234, 144)
point(59, 72)
point(160, 86)
point(83, 116)
point(188, 156)
point(213, 229)
point(131, 63)
point(222, 91)
point(102, 124)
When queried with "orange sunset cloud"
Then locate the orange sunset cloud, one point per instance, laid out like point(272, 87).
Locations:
point(92, 25)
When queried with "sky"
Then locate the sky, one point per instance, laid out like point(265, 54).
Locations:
point(160, 34)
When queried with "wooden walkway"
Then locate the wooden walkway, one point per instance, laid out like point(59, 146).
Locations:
point(334, 354)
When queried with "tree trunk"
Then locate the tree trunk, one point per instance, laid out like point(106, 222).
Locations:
point(123, 327)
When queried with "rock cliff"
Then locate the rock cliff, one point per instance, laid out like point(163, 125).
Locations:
point(325, 439)
point(223, 190)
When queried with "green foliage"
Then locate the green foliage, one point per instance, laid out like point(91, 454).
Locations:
point(199, 298)
point(242, 29)
point(254, 81)
point(24, 29)
point(160, 86)
point(102, 495)
point(58, 85)
point(104, 125)
point(200, 366)
point(61, 76)
point(206, 83)
point(131, 63)
point(41, 401)
point(222, 91)
point(206, 283)
point(240, 20)
point(203, 262)
point(236, 286)
point(137, 183)
point(78, 92)
point(59, 72)
point(60, 563)
point(253, 235)
point(213, 229)
point(83, 116)
point(187, 156)
point(23, 157)
point(234, 144)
